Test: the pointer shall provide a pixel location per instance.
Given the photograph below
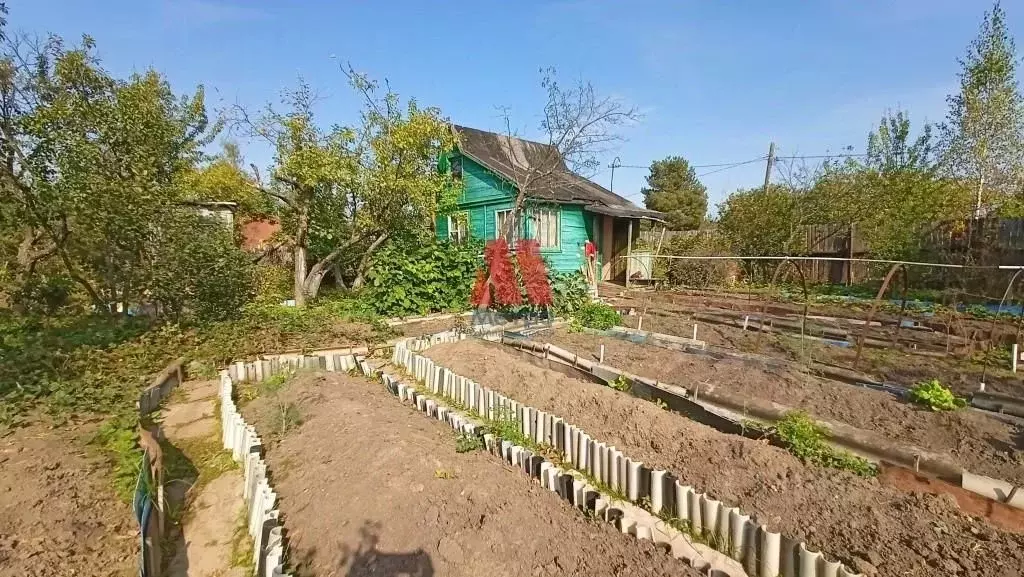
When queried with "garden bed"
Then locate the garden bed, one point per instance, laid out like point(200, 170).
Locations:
point(901, 367)
point(872, 527)
point(975, 441)
point(371, 487)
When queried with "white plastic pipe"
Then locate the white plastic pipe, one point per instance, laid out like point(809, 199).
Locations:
point(1013, 361)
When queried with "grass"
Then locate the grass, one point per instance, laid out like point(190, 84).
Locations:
point(242, 545)
point(84, 365)
point(118, 440)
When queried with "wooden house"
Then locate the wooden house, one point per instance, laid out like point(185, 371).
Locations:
point(562, 210)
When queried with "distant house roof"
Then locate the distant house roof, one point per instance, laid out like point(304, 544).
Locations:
point(507, 156)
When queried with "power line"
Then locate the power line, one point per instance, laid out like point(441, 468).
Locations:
point(613, 165)
point(733, 165)
point(724, 166)
point(819, 156)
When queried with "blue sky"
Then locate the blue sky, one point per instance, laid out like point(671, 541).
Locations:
point(716, 80)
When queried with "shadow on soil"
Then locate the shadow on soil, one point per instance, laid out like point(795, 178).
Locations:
point(367, 561)
point(1016, 442)
point(180, 475)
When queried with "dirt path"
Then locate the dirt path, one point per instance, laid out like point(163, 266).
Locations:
point(971, 439)
point(370, 487)
point(58, 513)
point(209, 491)
point(873, 528)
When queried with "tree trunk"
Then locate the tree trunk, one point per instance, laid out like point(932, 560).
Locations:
point(319, 271)
point(338, 278)
point(299, 255)
point(364, 263)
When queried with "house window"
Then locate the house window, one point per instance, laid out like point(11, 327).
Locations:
point(458, 227)
point(545, 226)
point(456, 166)
point(500, 219)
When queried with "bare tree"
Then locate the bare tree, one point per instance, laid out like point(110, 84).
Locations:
point(580, 126)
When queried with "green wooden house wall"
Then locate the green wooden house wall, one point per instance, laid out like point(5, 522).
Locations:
point(484, 193)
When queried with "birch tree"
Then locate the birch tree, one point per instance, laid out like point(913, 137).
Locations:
point(983, 136)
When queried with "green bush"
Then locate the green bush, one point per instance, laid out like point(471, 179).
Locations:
point(198, 270)
point(693, 273)
point(596, 315)
point(936, 397)
point(570, 292)
point(411, 279)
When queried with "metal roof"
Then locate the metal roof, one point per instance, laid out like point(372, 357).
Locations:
point(508, 156)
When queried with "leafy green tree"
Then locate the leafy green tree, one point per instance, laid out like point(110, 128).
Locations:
point(92, 164)
point(224, 178)
point(893, 197)
point(673, 188)
point(983, 136)
point(197, 269)
point(347, 190)
point(759, 222)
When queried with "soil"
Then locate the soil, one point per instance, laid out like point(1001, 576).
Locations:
point(58, 513)
point(432, 326)
point(368, 486)
point(975, 441)
point(201, 546)
point(876, 529)
point(905, 369)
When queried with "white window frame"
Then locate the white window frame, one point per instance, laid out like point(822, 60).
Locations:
point(451, 227)
point(536, 222)
point(498, 227)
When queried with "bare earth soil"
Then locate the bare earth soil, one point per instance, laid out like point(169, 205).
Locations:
point(370, 487)
point(962, 375)
point(977, 442)
point(58, 513)
point(875, 529)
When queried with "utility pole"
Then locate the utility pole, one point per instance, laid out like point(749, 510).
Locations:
point(615, 164)
point(771, 164)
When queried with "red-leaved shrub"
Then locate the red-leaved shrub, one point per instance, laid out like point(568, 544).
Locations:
point(481, 295)
point(534, 273)
point(500, 276)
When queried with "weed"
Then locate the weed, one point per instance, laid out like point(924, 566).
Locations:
point(247, 391)
point(621, 383)
point(242, 545)
point(806, 440)
point(507, 427)
point(466, 443)
point(936, 397)
point(118, 439)
point(288, 417)
point(444, 474)
point(612, 492)
point(661, 404)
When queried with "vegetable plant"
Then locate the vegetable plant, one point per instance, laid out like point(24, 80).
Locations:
point(935, 396)
point(596, 316)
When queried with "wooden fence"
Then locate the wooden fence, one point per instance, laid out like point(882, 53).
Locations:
point(985, 241)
